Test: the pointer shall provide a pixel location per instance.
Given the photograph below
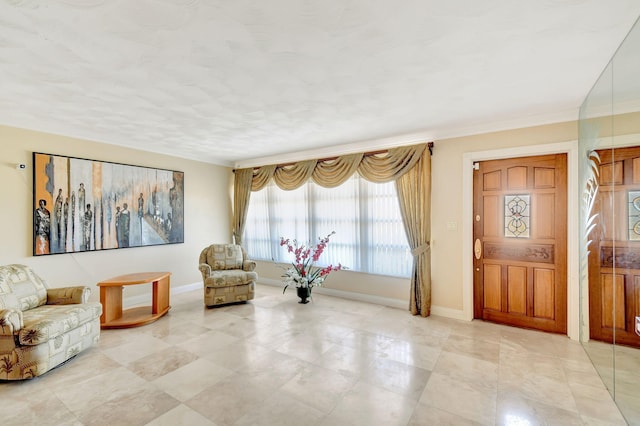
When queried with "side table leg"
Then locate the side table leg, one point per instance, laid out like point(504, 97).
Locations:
point(111, 299)
point(160, 301)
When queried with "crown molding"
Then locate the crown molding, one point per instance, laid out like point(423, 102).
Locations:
point(428, 135)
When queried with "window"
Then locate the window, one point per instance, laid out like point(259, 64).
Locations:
point(369, 237)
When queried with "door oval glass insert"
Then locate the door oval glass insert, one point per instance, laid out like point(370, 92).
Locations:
point(517, 216)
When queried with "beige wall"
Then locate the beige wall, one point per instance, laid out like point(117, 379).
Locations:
point(207, 214)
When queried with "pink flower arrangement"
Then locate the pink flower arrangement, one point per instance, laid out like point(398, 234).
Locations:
point(303, 272)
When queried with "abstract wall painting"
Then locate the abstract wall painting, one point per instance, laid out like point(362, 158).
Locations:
point(87, 205)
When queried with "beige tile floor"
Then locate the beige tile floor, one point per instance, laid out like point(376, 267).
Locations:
point(330, 362)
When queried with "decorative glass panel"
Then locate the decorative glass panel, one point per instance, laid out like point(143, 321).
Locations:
point(634, 215)
point(516, 216)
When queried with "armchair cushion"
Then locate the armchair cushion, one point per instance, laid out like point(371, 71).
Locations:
point(229, 278)
point(51, 321)
point(224, 256)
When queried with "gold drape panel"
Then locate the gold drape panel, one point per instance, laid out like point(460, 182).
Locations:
point(241, 195)
point(409, 166)
point(414, 195)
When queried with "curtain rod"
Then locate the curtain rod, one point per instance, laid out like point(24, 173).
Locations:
point(366, 154)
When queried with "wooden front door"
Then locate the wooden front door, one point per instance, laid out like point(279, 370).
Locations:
point(614, 258)
point(520, 242)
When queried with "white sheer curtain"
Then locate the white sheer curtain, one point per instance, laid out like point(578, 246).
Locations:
point(365, 216)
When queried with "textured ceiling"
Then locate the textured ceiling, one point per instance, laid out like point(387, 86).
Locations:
point(231, 82)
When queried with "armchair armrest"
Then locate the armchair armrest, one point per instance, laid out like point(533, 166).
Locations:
point(205, 269)
point(248, 265)
point(68, 295)
point(10, 322)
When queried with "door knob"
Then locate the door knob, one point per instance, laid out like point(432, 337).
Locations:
point(477, 248)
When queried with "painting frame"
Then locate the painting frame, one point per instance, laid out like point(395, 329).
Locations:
point(82, 205)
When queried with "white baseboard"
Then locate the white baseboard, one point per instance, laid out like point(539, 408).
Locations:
point(441, 311)
point(188, 287)
point(385, 301)
point(144, 299)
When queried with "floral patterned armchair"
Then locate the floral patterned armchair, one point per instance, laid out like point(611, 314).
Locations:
point(227, 274)
point(41, 327)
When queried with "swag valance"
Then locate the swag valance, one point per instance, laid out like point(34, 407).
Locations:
point(381, 167)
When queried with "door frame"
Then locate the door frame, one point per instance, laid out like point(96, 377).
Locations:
point(573, 209)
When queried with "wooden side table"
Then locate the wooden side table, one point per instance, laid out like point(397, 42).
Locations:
point(111, 298)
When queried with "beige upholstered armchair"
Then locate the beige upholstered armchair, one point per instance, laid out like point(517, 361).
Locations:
point(40, 327)
point(227, 274)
